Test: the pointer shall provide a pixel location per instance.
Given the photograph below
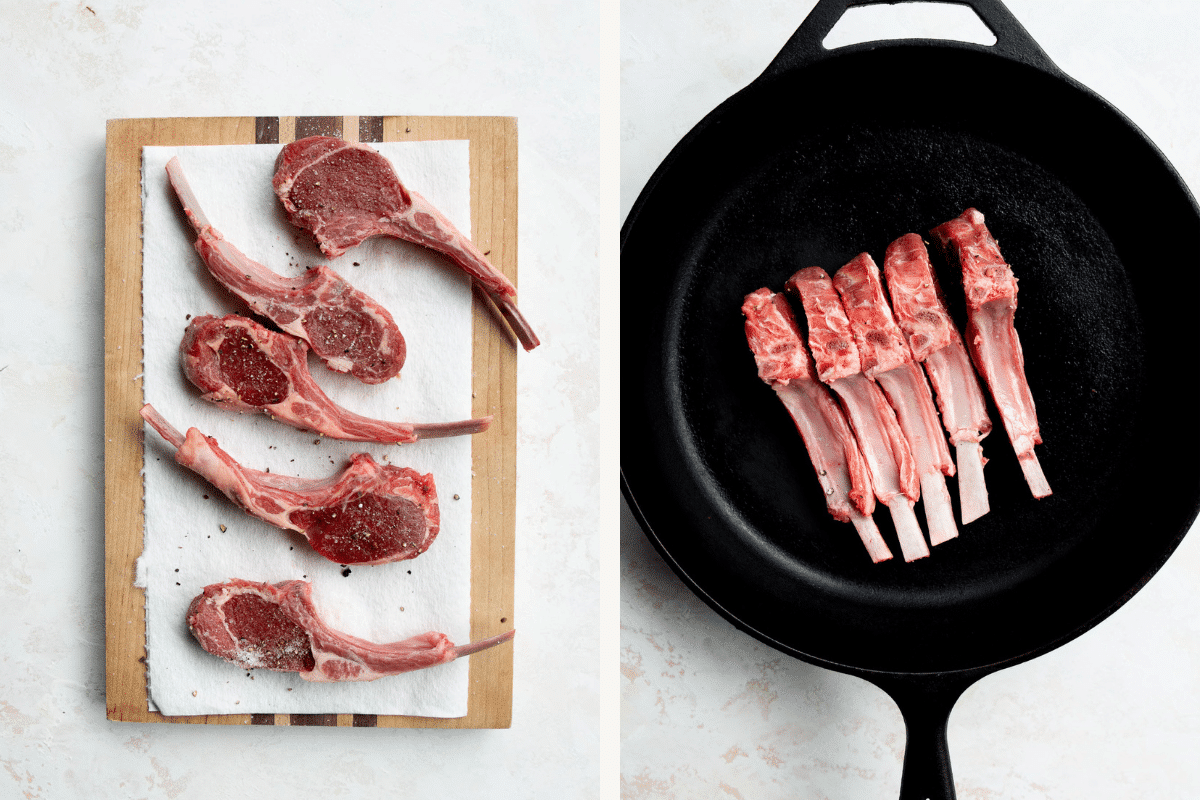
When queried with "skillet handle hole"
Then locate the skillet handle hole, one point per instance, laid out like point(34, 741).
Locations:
point(933, 20)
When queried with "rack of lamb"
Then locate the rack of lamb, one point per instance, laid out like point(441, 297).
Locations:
point(935, 342)
point(242, 366)
point(276, 627)
point(785, 365)
point(346, 329)
point(346, 192)
point(991, 292)
point(887, 454)
point(886, 359)
point(368, 514)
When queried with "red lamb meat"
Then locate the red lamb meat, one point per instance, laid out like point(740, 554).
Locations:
point(369, 514)
point(241, 365)
point(347, 330)
point(276, 627)
point(887, 359)
point(991, 291)
point(345, 193)
point(889, 459)
point(935, 342)
point(785, 365)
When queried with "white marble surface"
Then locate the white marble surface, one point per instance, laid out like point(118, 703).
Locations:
point(707, 711)
point(69, 66)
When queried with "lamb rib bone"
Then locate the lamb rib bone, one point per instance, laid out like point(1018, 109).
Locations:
point(369, 514)
point(935, 342)
point(889, 460)
point(991, 292)
point(887, 359)
point(242, 366)
point(346, 192)
point(346, 329)
point(276, 627)
point(785, 365)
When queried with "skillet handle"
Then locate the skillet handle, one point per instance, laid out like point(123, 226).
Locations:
point(926, 701)
point(805, 47)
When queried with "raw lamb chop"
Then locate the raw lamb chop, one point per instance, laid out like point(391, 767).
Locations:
point(345, 193)
point(887, 359)
point(346, 329)
point(242, 366)
point(276, 627)
point(785, 365)
point(935, 342)
point(369, 514)
point(991, 291)
point(889, 460)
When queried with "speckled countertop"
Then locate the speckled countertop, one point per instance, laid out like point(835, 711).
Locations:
point(70, 66)
point(707, 711)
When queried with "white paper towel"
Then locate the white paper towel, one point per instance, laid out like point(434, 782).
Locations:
point(194, 536)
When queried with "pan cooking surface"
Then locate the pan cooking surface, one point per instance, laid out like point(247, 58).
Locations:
point(842, 158)
point(848, 190)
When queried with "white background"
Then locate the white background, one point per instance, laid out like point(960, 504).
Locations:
point(707, 711)
point(69, 66)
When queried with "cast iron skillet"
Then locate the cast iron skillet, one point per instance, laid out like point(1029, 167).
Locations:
point(830, 153)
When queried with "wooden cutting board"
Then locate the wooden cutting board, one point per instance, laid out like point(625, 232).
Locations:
point(493, 164)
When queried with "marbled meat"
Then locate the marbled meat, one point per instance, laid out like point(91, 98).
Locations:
point(935, 342)
point(346, 192)
point(887, 359)
point(889, 459)
point(276, 627)
point(242, 366)
point(346, 329)
point(367, 514)
point(785, 365)
point(991, 292)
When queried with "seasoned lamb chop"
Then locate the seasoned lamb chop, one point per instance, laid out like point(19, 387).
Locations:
point(241, 365)
point(889, 460)
point(887, 359)
point(276, 627)
point(345, 193)
point(369, 514)
point(991, 291)
point(935, 342)
point(785, 365)
point(347, 329)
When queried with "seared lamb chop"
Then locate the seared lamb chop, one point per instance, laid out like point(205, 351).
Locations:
point(276, 627)
point(347, 330)
point(935, 342)
point(991, 291)
point(889, 460)
point(345, 193)
point(785, 365)
point(369, 514)
point(241, 365)
point(887, 359)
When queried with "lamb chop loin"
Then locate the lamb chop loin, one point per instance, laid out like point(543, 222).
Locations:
point(991, 292)
point(347, 330)
point(935, 342)
point(785, 365)
point(889, 459)
point(276, 627)
point(241, 365)
point(369, 514)
point(345, 193)
point(887, 359)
